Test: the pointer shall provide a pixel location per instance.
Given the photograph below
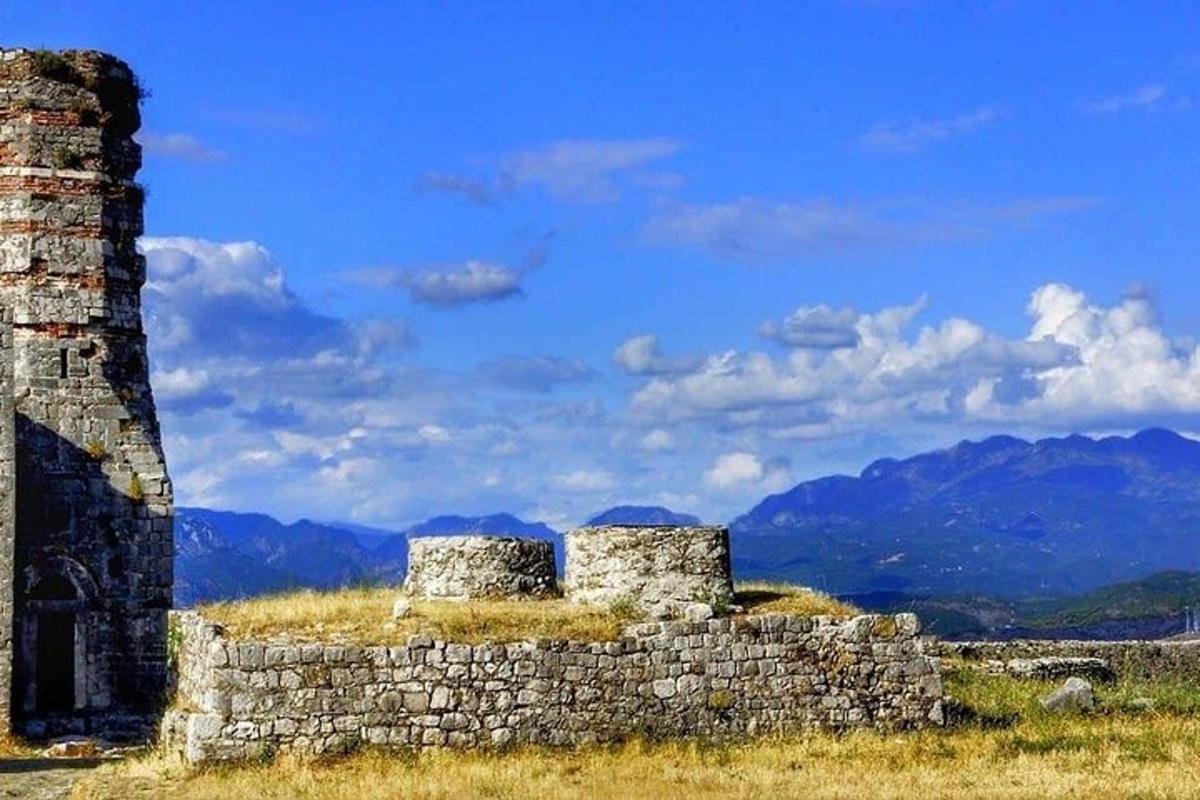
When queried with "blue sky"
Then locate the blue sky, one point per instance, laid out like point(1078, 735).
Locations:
point(418, 258)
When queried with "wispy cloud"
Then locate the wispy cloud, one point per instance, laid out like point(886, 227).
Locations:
point(539, 374)
point(586, 170)
point(752, 229)
point(915, 134)
point(1027, 210)
point(1142, 97)
point(477, 191)
point(585, 480)
point(182, 146)
point(448, 286)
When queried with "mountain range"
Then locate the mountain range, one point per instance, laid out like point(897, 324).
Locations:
point(1003, 517)
point(971, 534)
point(227, 554)
point(642, 515)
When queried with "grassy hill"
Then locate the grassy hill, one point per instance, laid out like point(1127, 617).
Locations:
point(1149, 608)
point(1165, 594)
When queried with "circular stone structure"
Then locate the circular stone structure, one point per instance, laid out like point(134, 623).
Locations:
point(475, 567)
point(650, 565)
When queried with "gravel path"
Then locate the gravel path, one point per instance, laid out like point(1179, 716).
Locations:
point(41, 778)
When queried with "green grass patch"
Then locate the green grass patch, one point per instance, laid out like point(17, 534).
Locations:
point(1000, 697)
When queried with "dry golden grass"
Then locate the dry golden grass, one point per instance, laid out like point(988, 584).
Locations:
point(763, 597)
point(364, 615)
point(1012, 750)
point(12, 747)
point(1157, 757)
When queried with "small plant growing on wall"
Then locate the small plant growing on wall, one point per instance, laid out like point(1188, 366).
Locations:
point(66, 158)
point(721, 700)
point(136, 493)
point(174, 643)
point(49, 64)
point(87, 114)
point(95, 450)
point(623, 608)
point(721, 603)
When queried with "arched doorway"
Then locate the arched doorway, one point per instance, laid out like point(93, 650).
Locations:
point(55, 616)
point(55, 606)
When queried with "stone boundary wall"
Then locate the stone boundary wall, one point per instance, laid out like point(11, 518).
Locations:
point(722, 677)
point(1149, 660)
point(476, 566)
point(649, 565)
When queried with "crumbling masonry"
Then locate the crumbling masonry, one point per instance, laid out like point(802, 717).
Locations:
point(85, 515)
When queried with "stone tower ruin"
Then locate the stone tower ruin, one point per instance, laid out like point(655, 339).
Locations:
point(85, 502)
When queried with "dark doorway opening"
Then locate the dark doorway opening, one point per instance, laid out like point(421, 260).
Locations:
point(56, 661)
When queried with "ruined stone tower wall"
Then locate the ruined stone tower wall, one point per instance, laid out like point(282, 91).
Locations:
point(93, 536)
point(7, 517)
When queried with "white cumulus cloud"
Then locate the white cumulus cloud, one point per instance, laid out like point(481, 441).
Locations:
point(1081, 363)
point(820, 327)
point(746, 469)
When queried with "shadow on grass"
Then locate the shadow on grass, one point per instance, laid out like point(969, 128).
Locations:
point(750, 599)
point(18, 766)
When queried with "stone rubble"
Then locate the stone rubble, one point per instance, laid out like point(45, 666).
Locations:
point(1053, 667)
point(1136, 659)
point(1075, 695)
